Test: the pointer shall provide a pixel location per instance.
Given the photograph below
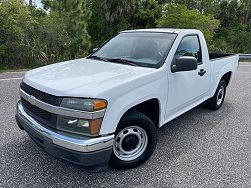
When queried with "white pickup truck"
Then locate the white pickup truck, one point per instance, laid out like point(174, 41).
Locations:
point(105, 109)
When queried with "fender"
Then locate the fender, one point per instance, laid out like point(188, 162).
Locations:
point(122, 104)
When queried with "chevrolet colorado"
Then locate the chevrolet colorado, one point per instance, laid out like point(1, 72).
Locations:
point(105, 108)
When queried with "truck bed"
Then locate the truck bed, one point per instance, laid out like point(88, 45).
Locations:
point(213, 56)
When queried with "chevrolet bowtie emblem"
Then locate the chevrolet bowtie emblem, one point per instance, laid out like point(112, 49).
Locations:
point(32, 100)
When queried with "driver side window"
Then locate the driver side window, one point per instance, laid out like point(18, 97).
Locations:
point(190, 46)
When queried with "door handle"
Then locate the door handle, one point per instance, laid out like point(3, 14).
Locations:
point(202, 72)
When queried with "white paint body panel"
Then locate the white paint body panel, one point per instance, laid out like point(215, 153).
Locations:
point(124, 86)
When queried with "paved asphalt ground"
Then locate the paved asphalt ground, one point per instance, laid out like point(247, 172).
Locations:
point(202, 148)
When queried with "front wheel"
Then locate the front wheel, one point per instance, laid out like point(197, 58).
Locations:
point(135, 141)
point(217, 100)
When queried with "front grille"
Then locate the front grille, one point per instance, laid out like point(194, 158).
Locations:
point(46, 118)
point(42, 96)
point(36, 111)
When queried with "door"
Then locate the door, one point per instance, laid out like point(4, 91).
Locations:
point(187, 87)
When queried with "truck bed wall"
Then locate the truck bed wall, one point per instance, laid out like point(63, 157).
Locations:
point(221, 66)
point(213, 55)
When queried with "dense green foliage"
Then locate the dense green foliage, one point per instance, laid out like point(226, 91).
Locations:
point(68, 29)
point(179, 16)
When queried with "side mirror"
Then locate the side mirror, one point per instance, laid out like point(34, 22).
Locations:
point(184, 63)
point(94, 50)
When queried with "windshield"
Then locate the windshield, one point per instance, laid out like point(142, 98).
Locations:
point(141, 48)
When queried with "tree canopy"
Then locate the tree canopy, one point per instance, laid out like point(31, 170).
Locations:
point(68, 29)
point(179, 16)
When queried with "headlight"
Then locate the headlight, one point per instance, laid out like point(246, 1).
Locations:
point(79, 126)
point(83, 104)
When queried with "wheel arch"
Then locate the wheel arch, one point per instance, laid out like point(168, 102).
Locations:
point(147, 107)
point(226, 77)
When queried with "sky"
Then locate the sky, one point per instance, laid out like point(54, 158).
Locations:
point(37, 2)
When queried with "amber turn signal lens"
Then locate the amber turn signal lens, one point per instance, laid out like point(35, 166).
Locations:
point(99, 104)
point(95, 126)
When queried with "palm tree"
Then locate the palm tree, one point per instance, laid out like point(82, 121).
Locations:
point(114, 10)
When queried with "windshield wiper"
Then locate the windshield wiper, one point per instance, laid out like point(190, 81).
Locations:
point(118, 60)
point(125, 61)
point(98, 58)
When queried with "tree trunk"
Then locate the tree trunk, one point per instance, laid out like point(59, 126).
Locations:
point(248, 12)
point(30, 2)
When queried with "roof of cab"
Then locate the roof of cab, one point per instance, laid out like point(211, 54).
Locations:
point(160, 30)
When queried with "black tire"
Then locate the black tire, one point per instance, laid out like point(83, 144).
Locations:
point(212, 102)
point(140, 120)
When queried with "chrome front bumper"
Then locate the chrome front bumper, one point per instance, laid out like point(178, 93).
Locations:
point(85, 144)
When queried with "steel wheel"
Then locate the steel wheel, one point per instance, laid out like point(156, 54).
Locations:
point(220, 95)
point(130, 143)
point(216, 101)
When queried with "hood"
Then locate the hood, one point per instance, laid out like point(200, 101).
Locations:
point(82, 77)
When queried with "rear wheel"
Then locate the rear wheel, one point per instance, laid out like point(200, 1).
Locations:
point(135, 141)
point(217, 100)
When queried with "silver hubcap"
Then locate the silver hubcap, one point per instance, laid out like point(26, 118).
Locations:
point(130, 143)
point(220, 95)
